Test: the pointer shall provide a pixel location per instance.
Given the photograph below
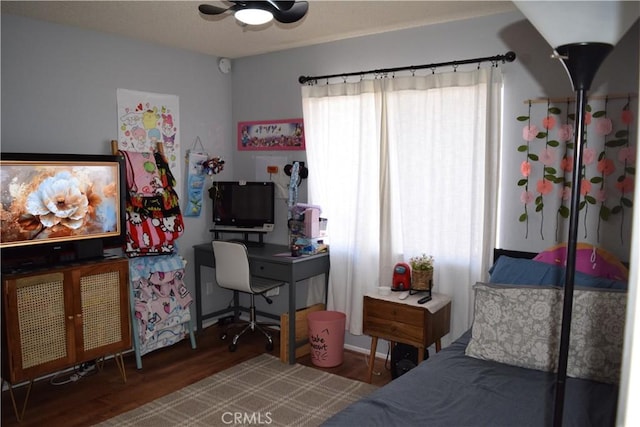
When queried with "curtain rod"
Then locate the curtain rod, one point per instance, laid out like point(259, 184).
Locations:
point(507, 57)
point(573, 99)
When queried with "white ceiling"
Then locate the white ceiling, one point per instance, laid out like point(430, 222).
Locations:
point(179, 24)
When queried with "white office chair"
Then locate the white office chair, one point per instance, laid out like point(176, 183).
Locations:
point(232, 272)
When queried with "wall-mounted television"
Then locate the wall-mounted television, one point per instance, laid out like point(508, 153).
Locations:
point(59, 207)
point(243, 206)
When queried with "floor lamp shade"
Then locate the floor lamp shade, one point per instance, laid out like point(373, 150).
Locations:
point(569, 22)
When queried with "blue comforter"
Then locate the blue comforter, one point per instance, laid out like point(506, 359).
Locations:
point(454, 390)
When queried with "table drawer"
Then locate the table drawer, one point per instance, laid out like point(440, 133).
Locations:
point(394, 331)
point(269, 269)
point(394, 312)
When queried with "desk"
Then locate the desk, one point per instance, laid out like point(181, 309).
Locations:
point(264, 262)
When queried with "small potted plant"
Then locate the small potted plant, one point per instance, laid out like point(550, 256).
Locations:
point(421, 272)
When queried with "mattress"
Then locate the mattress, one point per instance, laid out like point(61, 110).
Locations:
point(452, 389)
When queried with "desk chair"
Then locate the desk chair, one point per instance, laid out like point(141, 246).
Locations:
point(232, 272)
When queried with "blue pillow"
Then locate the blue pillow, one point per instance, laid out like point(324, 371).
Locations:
point(521, 271)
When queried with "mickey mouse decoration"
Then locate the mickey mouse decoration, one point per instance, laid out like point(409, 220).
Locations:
point(303, 172)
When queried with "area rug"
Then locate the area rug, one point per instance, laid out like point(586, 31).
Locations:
point(260, 391)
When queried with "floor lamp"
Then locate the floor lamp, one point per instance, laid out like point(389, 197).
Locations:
point(582, 34)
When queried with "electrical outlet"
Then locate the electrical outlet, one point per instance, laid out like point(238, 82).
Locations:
point(209, 288)
point(272, 292)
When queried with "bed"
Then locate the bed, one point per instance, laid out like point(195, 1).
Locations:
point(487, 377)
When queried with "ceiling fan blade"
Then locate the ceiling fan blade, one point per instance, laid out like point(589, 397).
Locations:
point(207, 9)
point(281, 5)
point(294, 14)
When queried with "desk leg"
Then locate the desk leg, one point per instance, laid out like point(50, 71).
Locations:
point(292, 321)
point(198, 298)
point(420, 355)
point(438, 346)
point(372, 357)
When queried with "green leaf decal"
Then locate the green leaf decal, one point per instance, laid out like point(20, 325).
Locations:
point(564, 211)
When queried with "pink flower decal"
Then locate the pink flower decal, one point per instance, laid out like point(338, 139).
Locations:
point(601, 195)
point(625, 185)
point(549, 122)
point(548, 156)
point(566, 164)
point(544, 187)
point(626, 117)
point(526, 197)
point(604, 126)
point(627, 154)
point(565, 193)
point(589, 156)
point(529, 132)
point(587, 118)
point(585, 186)
point(565, 133)
point(525, 168)
point(606, 166)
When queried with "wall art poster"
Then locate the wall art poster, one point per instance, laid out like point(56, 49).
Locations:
point(146, 118)
point(271, 135)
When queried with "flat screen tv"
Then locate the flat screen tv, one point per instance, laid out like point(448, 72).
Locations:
point(243, 205)
point(59, 207)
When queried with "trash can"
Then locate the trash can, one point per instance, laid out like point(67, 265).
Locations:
point(326, 337)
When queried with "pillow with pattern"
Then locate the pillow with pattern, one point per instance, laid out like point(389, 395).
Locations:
point(520, 326)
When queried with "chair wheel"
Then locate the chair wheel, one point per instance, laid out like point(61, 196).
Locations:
point(232, 347)
point(269, 346)
point(223, 336)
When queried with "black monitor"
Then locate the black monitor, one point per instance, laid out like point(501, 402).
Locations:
point(245, 206)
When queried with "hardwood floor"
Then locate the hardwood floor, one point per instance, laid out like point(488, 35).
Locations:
point(103, 395)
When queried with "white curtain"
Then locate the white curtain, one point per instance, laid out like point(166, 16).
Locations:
point(404, 166)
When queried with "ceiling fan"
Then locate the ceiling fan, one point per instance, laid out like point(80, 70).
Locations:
point(261, 12)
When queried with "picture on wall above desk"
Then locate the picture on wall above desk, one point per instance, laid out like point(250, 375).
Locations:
point(285, 134)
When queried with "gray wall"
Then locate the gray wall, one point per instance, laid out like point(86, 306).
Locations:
point(533, 75)
point(59, 95)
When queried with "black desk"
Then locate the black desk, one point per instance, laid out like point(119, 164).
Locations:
point(264, 262)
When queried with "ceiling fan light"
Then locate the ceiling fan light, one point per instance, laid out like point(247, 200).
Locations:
point(253, 16)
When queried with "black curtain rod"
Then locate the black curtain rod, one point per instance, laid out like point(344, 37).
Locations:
point(507, 57)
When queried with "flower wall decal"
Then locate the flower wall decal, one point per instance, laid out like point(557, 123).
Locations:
point(607, 172)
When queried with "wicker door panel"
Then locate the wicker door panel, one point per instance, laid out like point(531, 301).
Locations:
point(101, 319)
point(41, 319)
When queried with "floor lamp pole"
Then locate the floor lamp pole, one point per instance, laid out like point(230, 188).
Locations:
point(581, 60)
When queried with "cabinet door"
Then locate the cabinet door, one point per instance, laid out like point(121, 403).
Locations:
point(38, 319)
point(102, 307)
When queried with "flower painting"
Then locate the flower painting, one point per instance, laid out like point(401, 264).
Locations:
point(59, 201)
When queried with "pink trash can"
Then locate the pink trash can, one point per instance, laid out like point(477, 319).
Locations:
point(326, 337)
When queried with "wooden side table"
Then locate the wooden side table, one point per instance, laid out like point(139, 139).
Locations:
point(405, 321)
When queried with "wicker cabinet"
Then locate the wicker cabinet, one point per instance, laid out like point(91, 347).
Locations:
point(59, 317)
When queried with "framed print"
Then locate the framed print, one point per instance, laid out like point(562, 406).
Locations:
point(285, 134)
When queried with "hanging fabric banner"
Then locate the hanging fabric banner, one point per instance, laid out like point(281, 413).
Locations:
point(196, 178)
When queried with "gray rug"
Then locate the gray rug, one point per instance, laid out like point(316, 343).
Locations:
point(260, 391)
